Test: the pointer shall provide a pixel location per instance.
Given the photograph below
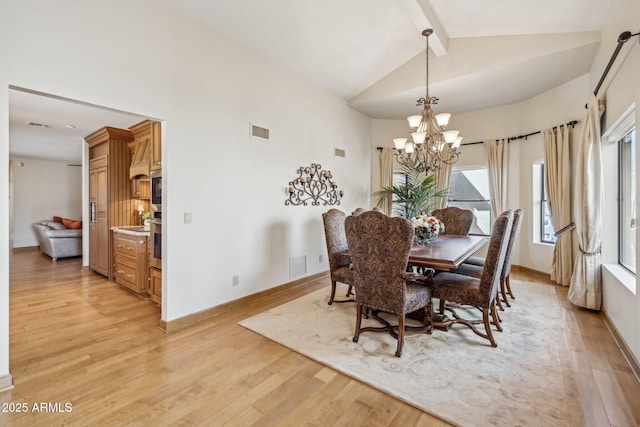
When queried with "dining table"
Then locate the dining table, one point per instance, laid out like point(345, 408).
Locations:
point(446, 252)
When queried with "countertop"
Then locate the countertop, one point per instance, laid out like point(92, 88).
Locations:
point(134, 230)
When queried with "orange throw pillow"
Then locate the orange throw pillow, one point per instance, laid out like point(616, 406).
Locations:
point(57, 219)
point(72, 224)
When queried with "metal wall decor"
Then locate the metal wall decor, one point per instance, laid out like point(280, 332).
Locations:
point(315, 185)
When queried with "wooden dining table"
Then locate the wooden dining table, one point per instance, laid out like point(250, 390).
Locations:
point(446, 252)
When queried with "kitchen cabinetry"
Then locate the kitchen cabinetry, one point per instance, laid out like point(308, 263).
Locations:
point(155, 285)
point(141, 189)
point(130, 261)
point(110, 202)
point(146, 149)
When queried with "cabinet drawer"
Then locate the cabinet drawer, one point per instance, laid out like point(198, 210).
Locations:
point(126, 275)
point(129, 246)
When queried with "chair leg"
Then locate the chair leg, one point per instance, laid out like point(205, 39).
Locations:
point(356, 336)
point(350, 291)
point(494, 314)
point(509, 287)
point(333, 292)
point(499, 302)
point(487, 327)
point(503, 292)
point(442, 304)
point(400, 334)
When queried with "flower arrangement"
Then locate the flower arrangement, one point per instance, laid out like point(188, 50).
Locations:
point(426, 227)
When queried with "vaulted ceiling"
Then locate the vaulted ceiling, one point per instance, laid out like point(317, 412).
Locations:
point(484, 53)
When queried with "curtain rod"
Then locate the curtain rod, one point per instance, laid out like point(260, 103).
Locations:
point(622, 39)
point(572, 123)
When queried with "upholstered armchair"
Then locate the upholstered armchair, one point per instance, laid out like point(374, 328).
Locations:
point(456, 221)
point(58, 241)
point(339, 263)
point(480, 291)
point(379, 246)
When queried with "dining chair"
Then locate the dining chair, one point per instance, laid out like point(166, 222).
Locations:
point(478, 292)
point(379, 246)
point(473, 265)
point(456, 221)
point(358, 211)
point(339, 264)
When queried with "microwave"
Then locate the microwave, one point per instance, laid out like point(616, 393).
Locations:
point(156, 191)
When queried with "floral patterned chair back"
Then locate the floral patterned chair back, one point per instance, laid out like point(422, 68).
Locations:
point(456, 221)
point(339, 264)
point(379, 246)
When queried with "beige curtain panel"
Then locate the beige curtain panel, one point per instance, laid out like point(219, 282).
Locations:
point(586, 284)
point(497, 153)
point(443, 177)
point(557, 182)
point(386, 176)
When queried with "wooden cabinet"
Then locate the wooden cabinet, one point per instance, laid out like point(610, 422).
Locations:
point(110, 202)
point(130, 261)
point(141, 189)
point(146, 148)
point(155, 285)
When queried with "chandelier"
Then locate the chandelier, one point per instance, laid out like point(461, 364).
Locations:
point(431, 144)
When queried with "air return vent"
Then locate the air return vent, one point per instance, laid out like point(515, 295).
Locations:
point(39, 125)
point(339, 152)
point(259, 132)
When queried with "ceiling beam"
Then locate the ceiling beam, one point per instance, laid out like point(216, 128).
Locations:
point(423, 16)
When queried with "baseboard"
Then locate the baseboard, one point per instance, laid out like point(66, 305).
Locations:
point(6, 382)
point(181, 322)
point(523, 269)
point(624, 348)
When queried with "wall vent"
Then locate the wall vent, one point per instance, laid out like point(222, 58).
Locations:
point(339, 152)
point(297, 266)
point(259, 132)
point(39, 125)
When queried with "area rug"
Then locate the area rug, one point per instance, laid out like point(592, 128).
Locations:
point(454, 375)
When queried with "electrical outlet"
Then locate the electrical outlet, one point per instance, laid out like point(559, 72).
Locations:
point(187, 218)
point(236, 280)
point(320, 258)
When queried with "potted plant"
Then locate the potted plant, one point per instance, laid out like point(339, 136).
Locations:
point(414, 197)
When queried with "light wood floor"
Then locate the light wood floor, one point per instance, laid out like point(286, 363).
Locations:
point(75, 338)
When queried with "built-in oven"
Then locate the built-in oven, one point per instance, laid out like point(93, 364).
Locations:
point(156, 191)
point(155, 236)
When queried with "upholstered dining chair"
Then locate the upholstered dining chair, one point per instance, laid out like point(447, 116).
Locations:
point(456, 221)
point(358, 211)
point(479, 292)
point(379, 246)
point(473, 265)
point(339, 264)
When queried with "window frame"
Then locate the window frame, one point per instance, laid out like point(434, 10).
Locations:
point(543, 202)
point(629, 129)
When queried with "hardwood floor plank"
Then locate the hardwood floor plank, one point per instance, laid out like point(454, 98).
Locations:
point(76, 338)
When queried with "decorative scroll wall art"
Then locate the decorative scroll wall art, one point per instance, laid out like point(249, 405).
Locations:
point(315, 185)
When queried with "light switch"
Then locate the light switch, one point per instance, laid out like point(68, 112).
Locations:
point(187, 217)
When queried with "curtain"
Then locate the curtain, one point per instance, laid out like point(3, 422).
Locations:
point(386, 176)
point(443, 175)
point(497, 153)
point(586, 284)
point(557, 183)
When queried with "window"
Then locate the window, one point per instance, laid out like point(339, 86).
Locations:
point(627, 219)
point(399, 178)
point(547, 233)
point(469, 189)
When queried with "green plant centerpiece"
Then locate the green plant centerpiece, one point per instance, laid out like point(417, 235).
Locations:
point(414, 199)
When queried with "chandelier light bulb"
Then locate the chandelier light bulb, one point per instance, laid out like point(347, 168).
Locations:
point(409, 147)
point(418, 137)
point(450, 136)
point(443, 119)
point(399, 143)
point(457, 143)
point(414, 121)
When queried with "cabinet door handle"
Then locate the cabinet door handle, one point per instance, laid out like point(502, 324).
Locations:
point(130, 248)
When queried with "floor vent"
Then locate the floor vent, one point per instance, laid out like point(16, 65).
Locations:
point(259, 132)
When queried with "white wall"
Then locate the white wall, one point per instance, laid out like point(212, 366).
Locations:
point(621, 293)
point(145, 58)
point(43, 189)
